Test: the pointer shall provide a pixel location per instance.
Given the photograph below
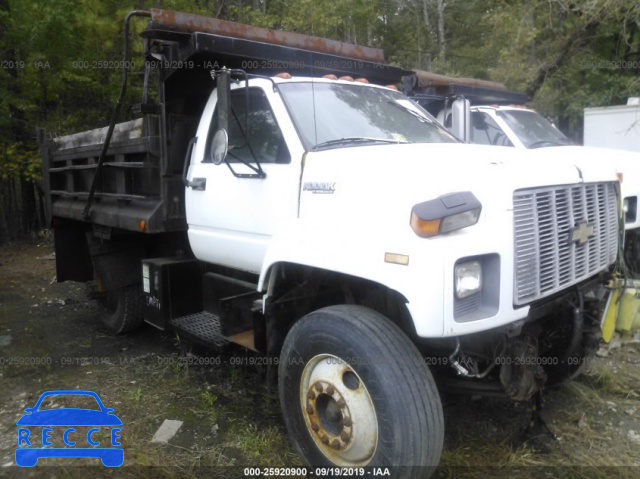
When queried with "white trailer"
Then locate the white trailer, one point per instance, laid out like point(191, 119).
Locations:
point(613, 126)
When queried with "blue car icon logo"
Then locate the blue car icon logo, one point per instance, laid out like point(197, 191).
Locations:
point(82, 431)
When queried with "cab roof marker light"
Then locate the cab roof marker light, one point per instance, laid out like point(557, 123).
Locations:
point(445, 214)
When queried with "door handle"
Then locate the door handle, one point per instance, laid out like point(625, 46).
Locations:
point(199, 184)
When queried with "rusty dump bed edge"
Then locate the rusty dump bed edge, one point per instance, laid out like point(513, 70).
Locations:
point(427, 79)
point(188, 22)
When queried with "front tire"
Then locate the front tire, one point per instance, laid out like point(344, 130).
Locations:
point(121, 310)
point(355, 392)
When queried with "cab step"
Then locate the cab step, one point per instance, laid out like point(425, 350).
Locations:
point(205, 328)
point(202, 327)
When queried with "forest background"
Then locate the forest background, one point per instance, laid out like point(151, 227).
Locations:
point(59, 61)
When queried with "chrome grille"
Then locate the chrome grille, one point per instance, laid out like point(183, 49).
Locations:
point(545, 220)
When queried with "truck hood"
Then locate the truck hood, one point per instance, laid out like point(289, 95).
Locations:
point(442, 168)
point(383, 182)
point(626, 162)
point(589, 161)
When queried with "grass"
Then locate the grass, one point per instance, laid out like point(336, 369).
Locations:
point(602, 381)
point(264, 446)
point(136, 395)
point(228, 421)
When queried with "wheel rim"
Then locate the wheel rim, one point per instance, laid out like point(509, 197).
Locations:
point(338, 411)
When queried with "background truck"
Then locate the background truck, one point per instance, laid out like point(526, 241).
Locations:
point(333, 226)
point(613, 126)
point(498, 117)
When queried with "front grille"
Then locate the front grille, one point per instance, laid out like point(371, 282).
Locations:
point(545, 220)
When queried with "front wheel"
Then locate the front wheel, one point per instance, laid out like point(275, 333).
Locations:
point(355, 392)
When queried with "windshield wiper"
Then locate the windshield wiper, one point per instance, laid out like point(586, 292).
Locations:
point(354, 140)
point(410, 111)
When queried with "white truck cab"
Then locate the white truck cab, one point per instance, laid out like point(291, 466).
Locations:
point(329, 145)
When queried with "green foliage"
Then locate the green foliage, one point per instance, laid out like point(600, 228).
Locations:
point(209, 398)
point(19, 159)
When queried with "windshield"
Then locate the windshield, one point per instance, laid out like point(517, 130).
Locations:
point(331, 115)
point(532, 129)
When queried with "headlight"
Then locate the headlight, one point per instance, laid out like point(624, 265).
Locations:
point(445, 214)
point(468, 278)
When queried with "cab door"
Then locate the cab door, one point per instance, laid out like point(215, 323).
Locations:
point(234, 213)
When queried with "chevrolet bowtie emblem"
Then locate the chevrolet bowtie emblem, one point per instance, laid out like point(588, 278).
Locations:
point(581, 233)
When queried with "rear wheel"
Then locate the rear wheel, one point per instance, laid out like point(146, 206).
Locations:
point(355, 392)
point(121, 310)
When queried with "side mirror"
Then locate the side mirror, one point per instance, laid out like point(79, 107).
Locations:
point(461, 122)
point(219, 146)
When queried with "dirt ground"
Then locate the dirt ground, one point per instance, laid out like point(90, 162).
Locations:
point(51, 338)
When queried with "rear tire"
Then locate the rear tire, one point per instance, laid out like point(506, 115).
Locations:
point(121, 310)
point(355, 392)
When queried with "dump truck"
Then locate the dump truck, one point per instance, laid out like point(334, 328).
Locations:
point(278, 192)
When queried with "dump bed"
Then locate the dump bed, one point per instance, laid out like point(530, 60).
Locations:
point(136, 191)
